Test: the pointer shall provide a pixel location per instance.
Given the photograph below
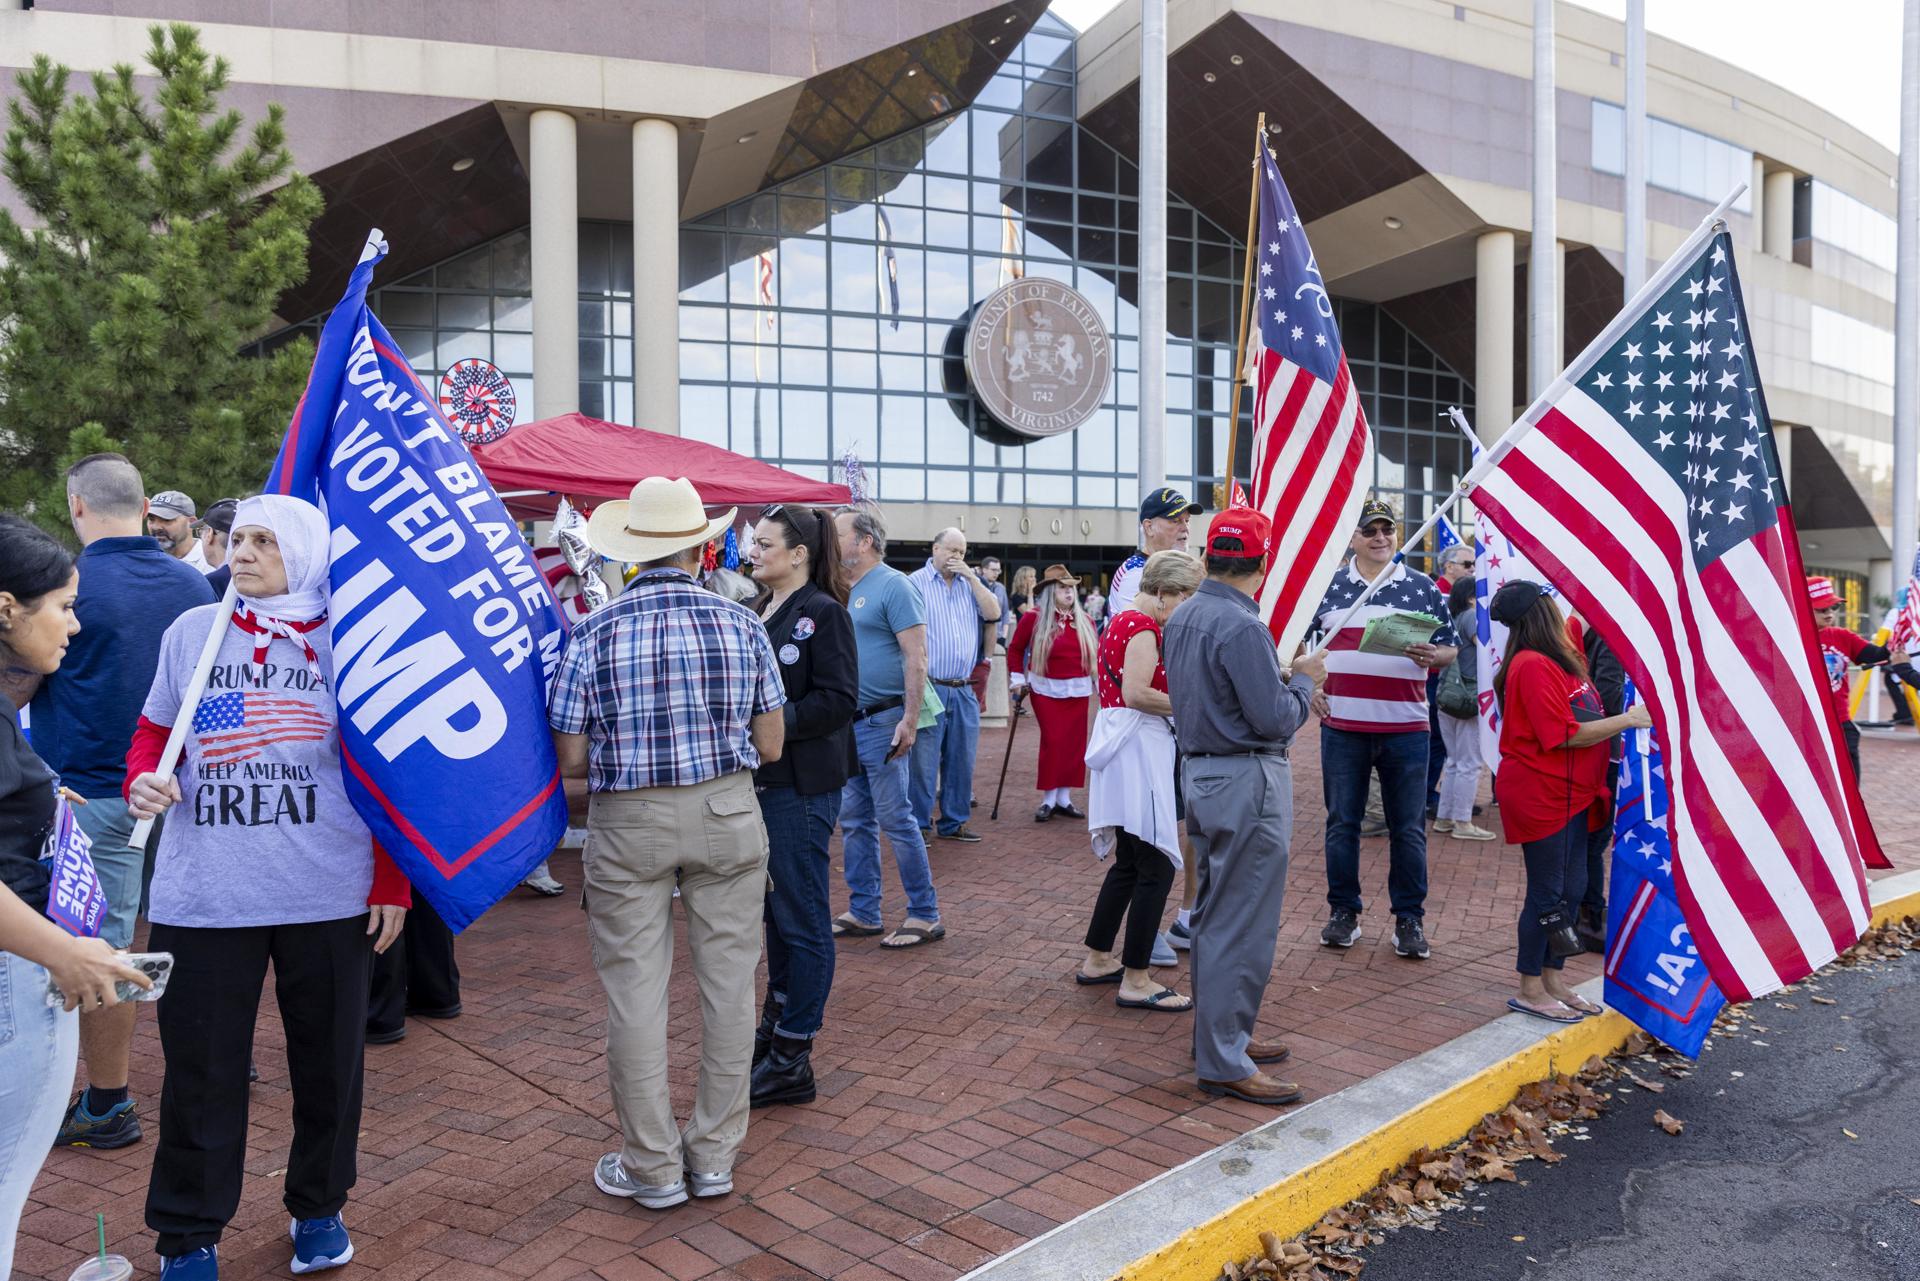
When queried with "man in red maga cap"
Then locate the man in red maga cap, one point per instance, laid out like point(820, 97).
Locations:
point(1235, 713)
point(1840, 646)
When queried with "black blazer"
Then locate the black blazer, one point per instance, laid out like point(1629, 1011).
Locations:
point(821, 672)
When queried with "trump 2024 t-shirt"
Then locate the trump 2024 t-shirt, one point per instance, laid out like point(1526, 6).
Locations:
point(264, 834)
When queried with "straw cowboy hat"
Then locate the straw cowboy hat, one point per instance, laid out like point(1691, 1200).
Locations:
point(660, 518)
point(1058, 574)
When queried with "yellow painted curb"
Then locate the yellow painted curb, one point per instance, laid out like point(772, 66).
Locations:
point(1296, 1202)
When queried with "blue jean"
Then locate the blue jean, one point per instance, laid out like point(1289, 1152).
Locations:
point(799, 915)
point(1347, 758)
point(1556, 878)
point(875, 801)
point(39, 1046)
point(943, 758)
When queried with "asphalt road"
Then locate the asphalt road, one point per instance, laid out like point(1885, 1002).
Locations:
point(1764, 1182)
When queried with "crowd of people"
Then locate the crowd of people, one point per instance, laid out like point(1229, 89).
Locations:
point(723, 743)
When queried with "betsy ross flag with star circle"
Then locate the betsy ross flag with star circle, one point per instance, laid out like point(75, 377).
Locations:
point(1646, 485)
point(1312, 451)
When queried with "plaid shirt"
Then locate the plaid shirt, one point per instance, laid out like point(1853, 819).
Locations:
point(664, 682)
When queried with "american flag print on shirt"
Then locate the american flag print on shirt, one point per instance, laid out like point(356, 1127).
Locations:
point(1312, 451)
point(1646, 485)
point(241, 725)
point(1904, 631)
point(1378, 693)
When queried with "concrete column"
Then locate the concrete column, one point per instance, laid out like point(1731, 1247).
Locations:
point(1757, 194)
point(1635, 205)
point(1545, 354)
point(1493, 333)
point(656, 275)
point(1778, 219)
point(553, 184)
point(1543, 297)
point(1153, 250)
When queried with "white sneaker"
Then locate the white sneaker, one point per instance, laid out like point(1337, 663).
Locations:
point(1471, 832)
point(1443, 825)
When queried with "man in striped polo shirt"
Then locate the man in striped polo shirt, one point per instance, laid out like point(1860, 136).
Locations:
point(959, 609)
point(1373, 718)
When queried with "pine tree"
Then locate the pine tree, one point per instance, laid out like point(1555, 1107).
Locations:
point(166, 231)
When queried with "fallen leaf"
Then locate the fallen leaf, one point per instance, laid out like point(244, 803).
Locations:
point(1399, 1195)
point(1273, 1246)
point(1519, 1238)
point(1651, 1087)
point(1672, 1125)
point(1823, 1000)
point(1850, 1134)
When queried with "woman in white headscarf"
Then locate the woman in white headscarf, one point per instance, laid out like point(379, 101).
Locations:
point(261, 858)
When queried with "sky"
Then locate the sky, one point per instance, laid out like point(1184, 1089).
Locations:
point(1851, 67)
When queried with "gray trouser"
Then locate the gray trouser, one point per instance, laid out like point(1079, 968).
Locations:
point(1240, 818)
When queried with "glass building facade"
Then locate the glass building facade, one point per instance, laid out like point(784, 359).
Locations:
point(824, 315)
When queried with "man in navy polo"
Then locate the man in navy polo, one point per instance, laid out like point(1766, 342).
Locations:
point(83, 718)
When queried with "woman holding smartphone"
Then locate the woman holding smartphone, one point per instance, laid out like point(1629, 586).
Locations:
point(38, 583)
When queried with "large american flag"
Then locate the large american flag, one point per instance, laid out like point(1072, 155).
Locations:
point(1645, 484)
point(241, 725)
point(1312, 452)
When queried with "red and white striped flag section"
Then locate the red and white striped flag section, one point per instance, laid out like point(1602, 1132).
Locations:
point(1905, 630)
point(1312, 452)
point(1644, 482)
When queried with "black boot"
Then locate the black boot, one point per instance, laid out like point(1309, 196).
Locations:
point(785, 1075)
point(1592, 929)
point(763, 1035)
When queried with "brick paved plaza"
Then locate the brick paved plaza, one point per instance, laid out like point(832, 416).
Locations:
point(971, 1096)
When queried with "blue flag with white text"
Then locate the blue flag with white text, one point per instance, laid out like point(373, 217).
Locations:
point(444, 631)
point(1654, 975)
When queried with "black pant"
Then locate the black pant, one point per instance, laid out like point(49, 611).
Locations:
point(1556, 878)
point(1851, 732)
point(1136, 887)
point(320, 976)
point(417, 974)
point(1598, 843)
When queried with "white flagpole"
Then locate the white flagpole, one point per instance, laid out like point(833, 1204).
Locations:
point(189, 704)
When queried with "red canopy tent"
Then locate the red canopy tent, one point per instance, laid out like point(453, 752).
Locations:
point(588, 460)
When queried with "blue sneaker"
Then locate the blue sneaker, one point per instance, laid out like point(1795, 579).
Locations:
point(1181, 936)
point(82, 1129)
point(319, 1244)
point(202, 1265)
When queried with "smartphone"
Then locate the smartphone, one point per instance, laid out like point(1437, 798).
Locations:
point(157, 966)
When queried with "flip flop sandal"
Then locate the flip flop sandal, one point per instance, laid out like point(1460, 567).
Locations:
point(1584, 1007)
point(1158, 1002)
point(1571, 1016)
point(916, 936)
point(1084, 981)
point(849, 926)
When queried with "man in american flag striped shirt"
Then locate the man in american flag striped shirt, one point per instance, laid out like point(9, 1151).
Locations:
point(1373, 718)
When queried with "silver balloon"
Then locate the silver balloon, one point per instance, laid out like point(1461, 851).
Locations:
point(593, 589)
point(570, 534)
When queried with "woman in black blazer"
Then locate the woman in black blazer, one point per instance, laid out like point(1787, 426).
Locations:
point(796, 563)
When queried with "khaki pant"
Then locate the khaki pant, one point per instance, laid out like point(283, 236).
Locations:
point(712, 834)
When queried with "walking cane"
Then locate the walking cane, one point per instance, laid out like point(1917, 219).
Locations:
point(1012, 729)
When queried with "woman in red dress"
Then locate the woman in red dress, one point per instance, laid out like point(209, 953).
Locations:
point(1052, 653)
point(1552, 785)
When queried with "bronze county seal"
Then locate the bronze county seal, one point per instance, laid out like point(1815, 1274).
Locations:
point(1038, 357)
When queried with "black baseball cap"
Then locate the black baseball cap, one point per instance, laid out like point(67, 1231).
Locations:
point(1165, 503)
point(1374, 509)
point(220, 515)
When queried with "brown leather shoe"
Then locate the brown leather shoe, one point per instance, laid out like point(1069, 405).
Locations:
point(1258, 1088)
point(1268, 1051)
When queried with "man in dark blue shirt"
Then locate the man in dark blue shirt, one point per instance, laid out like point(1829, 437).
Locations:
point(83, 719)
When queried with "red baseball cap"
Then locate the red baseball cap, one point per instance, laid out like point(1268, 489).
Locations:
point(1244, 526)
point(1820, 592)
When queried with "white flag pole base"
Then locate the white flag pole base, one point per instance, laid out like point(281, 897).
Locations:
point(189, 703)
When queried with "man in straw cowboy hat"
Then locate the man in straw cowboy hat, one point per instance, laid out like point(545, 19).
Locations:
point(665, 701)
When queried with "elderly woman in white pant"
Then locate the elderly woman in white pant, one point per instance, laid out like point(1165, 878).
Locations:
point(1460, 777)
point(1130, 788)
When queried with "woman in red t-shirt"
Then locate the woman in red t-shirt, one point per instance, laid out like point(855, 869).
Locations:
point(1131, 802)
point(1552, 785)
